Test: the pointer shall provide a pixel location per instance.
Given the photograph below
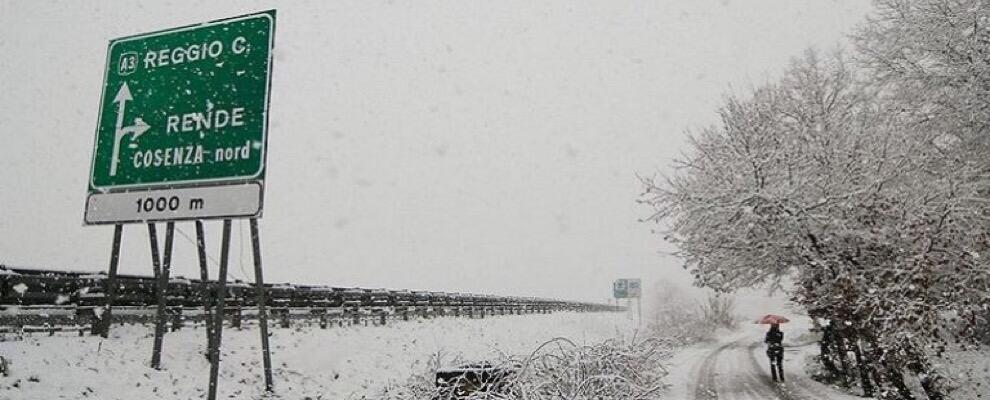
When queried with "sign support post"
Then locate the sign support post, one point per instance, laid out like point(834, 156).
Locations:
point(104, 319)
point(163, 280)
point(204, 275)
point(262, 305)
point(157, 269)
point(155, 258)
point(639, 310)
point(220, 296)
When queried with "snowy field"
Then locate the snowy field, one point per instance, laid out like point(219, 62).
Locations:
point(309, 363)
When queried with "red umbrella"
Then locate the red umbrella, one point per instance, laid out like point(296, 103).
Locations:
point(771, 319)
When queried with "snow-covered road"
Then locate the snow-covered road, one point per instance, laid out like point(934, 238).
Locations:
point(736, 368)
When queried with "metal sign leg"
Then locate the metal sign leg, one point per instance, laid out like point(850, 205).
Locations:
point(155, 259)
point(156, 353)
point(262, 312)
point(204, 275)
point(218, 320)
point(111, 288)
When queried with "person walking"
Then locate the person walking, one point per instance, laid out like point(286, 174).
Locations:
point(775, 351)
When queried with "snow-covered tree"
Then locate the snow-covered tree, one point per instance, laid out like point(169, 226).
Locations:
point(874, 209)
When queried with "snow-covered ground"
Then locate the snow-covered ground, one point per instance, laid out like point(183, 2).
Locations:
point(309, 363)
point(968, 372)
point(735, 367)
point(358, 362)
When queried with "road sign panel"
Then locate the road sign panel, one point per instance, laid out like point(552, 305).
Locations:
point(633, 288)
point(626, 288)
point(619, 289)
point(219, 201)
point(184, 107)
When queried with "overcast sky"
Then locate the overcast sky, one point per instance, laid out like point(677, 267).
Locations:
point(481, 146)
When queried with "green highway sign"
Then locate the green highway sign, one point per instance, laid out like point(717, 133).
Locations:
point(184, 107)
point(626, 288)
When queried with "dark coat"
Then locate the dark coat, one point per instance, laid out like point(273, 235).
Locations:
point(774, 337)
point(774, 341)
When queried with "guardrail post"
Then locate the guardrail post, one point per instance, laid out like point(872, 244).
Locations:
point(177, 319)
point(237, 316)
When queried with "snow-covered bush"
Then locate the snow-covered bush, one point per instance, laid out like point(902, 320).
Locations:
point(718, 310)
point(621, 369)
point(674, 314)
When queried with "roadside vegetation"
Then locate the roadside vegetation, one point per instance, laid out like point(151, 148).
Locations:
point(619, 368)
point(688, 319)
point(629, 366)
point(861, 177)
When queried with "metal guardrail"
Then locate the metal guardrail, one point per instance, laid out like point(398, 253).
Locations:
point(54, 298)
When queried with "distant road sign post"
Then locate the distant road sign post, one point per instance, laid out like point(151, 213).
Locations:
point(181, 135)
point(183, 108)
point(628, 289)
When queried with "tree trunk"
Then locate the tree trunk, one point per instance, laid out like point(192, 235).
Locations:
point(865, 370)
point(931, 383)
point(828, 361)
point(896, 378)
point(931, 380)
point(841, 352)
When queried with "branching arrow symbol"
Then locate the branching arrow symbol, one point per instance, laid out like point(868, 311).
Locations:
point(139, 127)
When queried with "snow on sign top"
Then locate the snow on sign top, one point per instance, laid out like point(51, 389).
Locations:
point(185, 106)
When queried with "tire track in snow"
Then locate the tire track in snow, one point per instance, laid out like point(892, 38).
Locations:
point(759, 374)
point(704, 388)
point(788, 390)
point(744, 379)
point(731, 372)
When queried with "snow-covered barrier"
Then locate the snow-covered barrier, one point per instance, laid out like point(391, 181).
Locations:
point(54, 297)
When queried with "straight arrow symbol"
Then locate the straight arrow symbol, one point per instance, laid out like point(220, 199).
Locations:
point(122, 97)
point(139, 127)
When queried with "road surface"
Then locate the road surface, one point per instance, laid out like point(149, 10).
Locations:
point(737, 369)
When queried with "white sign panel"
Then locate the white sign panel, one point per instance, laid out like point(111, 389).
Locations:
point(227, 201)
